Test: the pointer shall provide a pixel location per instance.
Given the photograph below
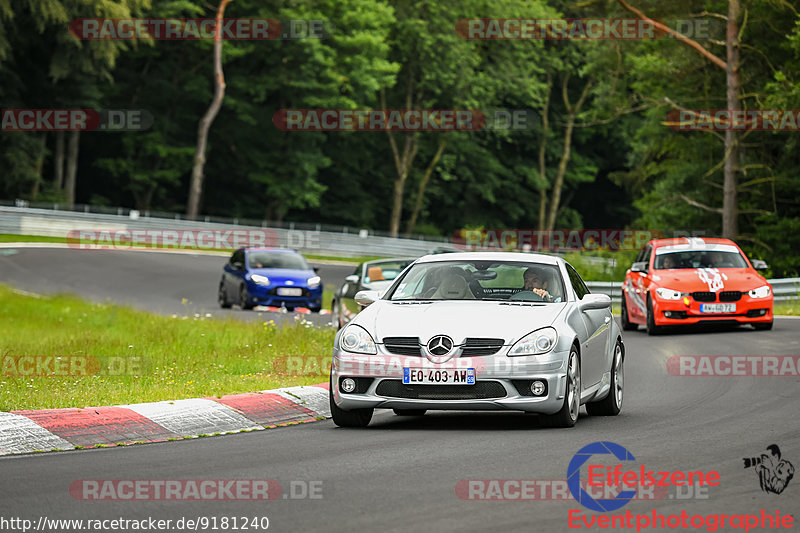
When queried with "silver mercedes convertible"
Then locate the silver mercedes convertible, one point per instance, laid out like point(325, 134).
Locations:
point(474, 331)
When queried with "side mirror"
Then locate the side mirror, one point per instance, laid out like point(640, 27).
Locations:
point(594, 301)
point(238, 265)
point(352, 278)
point(365, 298)
point(758, 264)
point(316, 270)
point(640, 266)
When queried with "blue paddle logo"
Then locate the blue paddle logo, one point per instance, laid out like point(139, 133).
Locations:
point(574, 476)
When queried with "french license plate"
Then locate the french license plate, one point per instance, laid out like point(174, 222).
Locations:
point(717, 308)
point(286, 291)
point(450, 376)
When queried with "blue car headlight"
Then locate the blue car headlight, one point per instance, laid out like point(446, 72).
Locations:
point(537, 342)
point(355, 339)
point(314, 282)
point(259, 279)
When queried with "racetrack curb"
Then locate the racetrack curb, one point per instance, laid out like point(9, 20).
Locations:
point(96, 427)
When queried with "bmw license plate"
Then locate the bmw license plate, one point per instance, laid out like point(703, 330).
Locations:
point(450, 376)
point(289, 291)
point(717, 308)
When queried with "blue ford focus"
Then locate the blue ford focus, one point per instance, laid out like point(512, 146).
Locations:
point(270, 277)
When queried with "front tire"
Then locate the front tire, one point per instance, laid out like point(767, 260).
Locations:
point(611, 404)
point(357, 418)
point(627, 325)
point(222, 297)
point(567, 416)
point(244, 299)
point(652, 329)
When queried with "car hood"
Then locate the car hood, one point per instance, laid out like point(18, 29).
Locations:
point(456, 319)
point(709, 279)
point(298, 277)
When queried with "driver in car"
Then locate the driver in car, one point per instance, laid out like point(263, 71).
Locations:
point(534, 281)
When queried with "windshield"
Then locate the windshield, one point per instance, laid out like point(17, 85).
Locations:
point(481, 280)
point(276, 260)
point(384, 271)
point(699, 259)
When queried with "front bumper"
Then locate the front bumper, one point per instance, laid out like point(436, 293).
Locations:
point(677, 312)
point(497, 373)
point(267, 296)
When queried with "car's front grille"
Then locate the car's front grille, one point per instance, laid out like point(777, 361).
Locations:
point(394, 388)
point(474, 347)
point(730, 296)
point(402, 345)
point(704, 296)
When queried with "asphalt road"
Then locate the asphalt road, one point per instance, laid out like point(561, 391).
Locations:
point(400, 474)
point(165, 283)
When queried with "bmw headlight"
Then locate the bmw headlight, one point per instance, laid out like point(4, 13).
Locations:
point(760, 292)
point(313, 283)
point(356, 339)
point(668, 294)
point(535, 343)
point(259, 279)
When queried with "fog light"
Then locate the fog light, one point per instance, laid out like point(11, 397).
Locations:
point(348, 385)
point(537, 388)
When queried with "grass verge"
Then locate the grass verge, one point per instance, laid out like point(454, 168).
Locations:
point(139, 357)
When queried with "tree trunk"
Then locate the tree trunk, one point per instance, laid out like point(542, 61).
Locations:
point(38, 171)
point(543, 152)
point(730, 226)
point(572, 112)
point(196, 186)
point(58, 162)
point(72, 167)
point(412, 222)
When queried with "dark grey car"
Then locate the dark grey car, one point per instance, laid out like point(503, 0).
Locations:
point(369, 276)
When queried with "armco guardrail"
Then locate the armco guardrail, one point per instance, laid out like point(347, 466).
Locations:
point(55, 223)
point(783, 289)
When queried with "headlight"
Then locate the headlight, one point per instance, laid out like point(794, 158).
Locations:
point(356, 339)
point(259, 279)
point(668, 294)
point(313, 283)
point(760, 292)
point(536, 343)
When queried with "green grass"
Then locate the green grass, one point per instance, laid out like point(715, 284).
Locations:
point(163, 358)
point(786, 308)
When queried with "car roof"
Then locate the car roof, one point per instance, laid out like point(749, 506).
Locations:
point(275, 250)
point(491, 256)
point(389, 260)
point(698, 242)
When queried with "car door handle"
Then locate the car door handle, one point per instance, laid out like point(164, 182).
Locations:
point(607, 319)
